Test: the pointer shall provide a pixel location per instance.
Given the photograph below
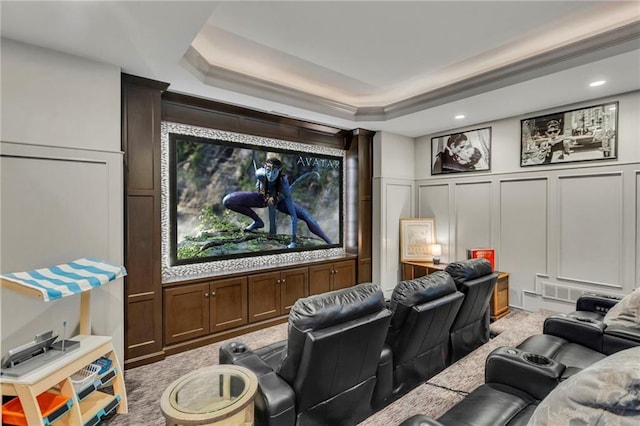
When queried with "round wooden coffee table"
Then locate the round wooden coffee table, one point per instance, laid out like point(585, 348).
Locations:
point(220, 394)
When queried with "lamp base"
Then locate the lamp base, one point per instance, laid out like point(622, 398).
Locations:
point(436, 260)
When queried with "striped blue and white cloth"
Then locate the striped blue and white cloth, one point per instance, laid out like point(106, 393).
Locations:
point(70, 278)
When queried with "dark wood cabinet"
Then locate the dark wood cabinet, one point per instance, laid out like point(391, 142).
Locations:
point(186, 312)
point(149, 295)
point(331, 276)
point(196, 310)
point(272, 294)
point(228, 304)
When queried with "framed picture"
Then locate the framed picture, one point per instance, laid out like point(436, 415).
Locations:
point(583, 134)
point(416, 236)
point(468, 151)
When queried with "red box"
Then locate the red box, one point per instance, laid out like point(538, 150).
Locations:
point(485, 253)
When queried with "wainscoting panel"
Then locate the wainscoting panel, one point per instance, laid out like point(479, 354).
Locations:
point(473, 217)
point(82, 193)
point(433, 201)
point(636, 247)
point(523, 233)
point(396, 204)
point(590, 218)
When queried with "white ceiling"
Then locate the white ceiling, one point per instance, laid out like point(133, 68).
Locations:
point(402, 67)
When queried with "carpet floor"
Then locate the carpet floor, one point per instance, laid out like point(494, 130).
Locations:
point(146, 384)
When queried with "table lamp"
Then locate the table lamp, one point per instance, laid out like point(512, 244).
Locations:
point(436, 251)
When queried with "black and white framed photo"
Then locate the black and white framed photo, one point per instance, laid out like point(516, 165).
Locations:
point(583, 134)
point(468, 151)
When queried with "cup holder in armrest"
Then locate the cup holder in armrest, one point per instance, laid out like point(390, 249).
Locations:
point(237, 348)
point(536, 359)
point(584, 319)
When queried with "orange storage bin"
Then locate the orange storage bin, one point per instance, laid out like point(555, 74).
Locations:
point(50, 405)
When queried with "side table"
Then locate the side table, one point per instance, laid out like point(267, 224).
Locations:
point(500, 297)
point(220, 394)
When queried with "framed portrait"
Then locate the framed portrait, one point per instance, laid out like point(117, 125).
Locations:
point(468, 151)
point(583, 134)
point(416, 237)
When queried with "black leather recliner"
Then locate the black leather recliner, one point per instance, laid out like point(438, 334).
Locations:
point(523, 388)
point(515, 382)
point(475, 279)
point(325, 372)
point(581, 338)
point(417, 342)
point(586, 326)
point(517, 379)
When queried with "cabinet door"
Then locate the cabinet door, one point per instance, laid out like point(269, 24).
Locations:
point(344, 274)
point(320, 277)
point(264, 296)
point(228, 303)
point(186, 312)
point(293, 285)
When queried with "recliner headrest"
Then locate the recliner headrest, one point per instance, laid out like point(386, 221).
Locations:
point(467, 270)
point(423, 289)
point(327, 309)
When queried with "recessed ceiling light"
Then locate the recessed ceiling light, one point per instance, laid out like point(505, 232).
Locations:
point(597, 83)
point(459, 117)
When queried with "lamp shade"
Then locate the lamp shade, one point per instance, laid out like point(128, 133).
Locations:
point(436, 249)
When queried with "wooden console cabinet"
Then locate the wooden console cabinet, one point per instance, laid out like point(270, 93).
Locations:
point(206, 310)
point(331, 276)
point(197, 310)
point(272, 294)
point(499, 302)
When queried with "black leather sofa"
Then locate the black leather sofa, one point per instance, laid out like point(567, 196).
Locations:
point(325, 372)
point(518, 379)
point(423, 311)
point(522, 389)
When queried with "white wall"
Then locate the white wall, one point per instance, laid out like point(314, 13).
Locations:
point(559, 230)
point(61, 187)
point(393, 186)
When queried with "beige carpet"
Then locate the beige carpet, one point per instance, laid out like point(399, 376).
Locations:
point(146, 384)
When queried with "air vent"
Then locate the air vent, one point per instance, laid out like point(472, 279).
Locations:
point(562, 292)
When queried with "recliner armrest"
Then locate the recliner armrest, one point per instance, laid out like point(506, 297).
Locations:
point(619, 337)
point(593, 302)
point(583, 327)
point(275, 400)
point(534, 374)
point(421, 420)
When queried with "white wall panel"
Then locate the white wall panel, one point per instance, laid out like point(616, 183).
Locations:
point(590, 228)
point(473, 217)
point(433, 201)
point(523, 234)
point(54, 99)
point(59, 205)
point(636, 247)
point(396, 198)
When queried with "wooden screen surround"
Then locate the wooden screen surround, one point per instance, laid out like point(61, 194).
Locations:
point(149, 332)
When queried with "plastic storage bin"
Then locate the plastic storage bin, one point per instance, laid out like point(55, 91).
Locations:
point(85, 377)
point(104, 363)
point(52, 407)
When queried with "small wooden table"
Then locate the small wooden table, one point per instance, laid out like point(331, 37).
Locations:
point(415, 269)
point(221, 395)
point(499, 299)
